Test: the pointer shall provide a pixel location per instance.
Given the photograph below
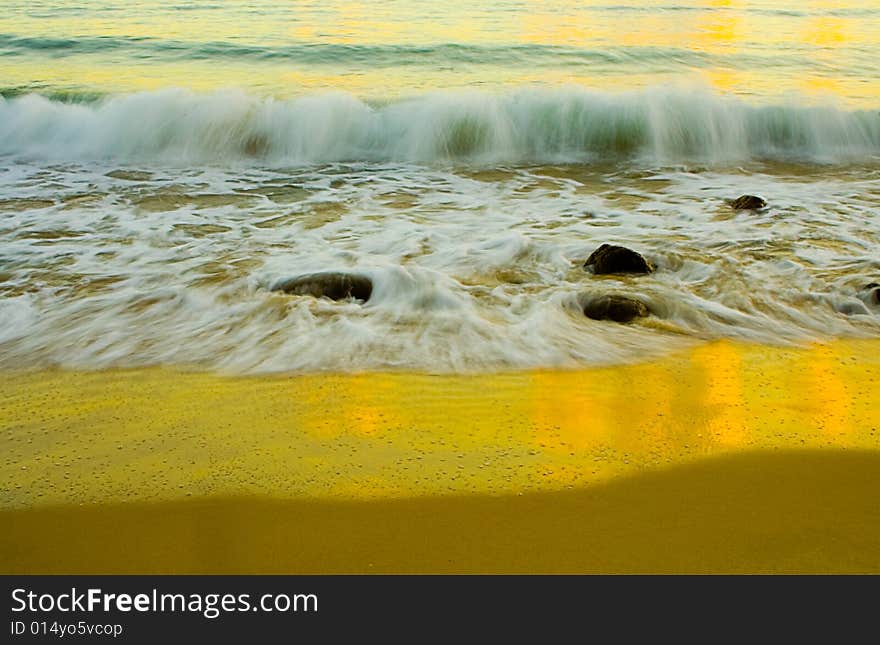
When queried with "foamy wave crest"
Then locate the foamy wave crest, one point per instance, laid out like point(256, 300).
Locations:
point(526, 126)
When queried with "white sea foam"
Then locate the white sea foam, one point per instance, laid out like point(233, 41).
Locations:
point(677, 125)
point(473, 268)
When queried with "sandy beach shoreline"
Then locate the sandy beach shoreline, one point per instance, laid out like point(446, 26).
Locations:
point(726, 457)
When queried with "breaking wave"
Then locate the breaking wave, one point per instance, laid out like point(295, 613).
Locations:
point(525, 126)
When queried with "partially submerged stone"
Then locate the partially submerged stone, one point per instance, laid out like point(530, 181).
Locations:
point(852, 307)
point(748, 203)
point(610, 258)
point(332, 284)
point(620, 309)
point(870, 293)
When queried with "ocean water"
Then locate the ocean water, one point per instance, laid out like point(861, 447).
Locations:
point(163, 164)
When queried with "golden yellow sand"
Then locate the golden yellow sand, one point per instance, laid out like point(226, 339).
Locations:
point(724, 458)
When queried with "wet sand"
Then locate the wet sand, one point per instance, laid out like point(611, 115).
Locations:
point(725, 458)
point(768, 512)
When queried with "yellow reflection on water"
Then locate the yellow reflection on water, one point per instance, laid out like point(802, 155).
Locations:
point(826, 31)
point(559, 28)
point(827, 390)
point(723, 393)
point(160, 434)
point(650, 43)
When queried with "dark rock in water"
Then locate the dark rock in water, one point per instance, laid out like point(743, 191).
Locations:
point(748, 203)
point(333, 285)
point(617, 308)
point(609, 258)
point(871, 293)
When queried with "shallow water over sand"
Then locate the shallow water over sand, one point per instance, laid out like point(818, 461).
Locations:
point(157, 434)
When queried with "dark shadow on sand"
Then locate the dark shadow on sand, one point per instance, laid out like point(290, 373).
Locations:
point(796, 512)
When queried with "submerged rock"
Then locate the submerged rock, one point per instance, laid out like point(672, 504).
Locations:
point(613, 307)
point(129, 175)
point(333, 285)
point(852, 307)
point(609, 258)
point(748, 203)
point(256, 145)
point(870, 293)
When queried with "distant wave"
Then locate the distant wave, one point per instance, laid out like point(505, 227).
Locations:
point(316, 53)
point(524, 126)
point(397, 55)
